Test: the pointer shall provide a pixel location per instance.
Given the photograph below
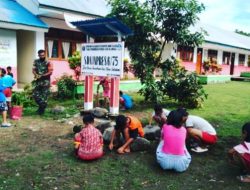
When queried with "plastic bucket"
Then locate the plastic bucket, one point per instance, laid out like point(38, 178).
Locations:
point(16, 112)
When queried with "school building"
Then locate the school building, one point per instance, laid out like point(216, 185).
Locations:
point(29, 25)
point(231, 50)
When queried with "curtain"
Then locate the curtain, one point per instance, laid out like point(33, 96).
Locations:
point(65, 46)
point(79, 47)
point(50, 47)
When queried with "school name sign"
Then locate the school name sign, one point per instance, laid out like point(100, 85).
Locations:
point(102, 59)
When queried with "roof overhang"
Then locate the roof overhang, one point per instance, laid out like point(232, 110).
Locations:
point(14, 26)
point(58, 23)
point(101, 27)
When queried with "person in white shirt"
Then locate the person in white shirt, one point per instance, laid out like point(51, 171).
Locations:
point(199, 129)
point(159, 115)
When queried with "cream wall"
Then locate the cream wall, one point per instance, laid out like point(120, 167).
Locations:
point(28, 43)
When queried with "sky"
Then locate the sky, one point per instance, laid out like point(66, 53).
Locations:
point(227, 14)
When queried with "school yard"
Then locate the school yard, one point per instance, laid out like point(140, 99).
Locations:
point(37, 152)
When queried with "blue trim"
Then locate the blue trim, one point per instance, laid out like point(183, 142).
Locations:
point(103, 27)
point(12, 12)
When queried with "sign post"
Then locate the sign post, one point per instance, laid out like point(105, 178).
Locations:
point(102, 59)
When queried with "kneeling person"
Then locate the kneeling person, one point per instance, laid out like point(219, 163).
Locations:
point(89, 142)
point(130, 127)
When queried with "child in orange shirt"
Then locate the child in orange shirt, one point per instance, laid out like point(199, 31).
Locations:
point(130, 127)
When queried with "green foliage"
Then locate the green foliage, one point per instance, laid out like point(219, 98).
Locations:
point(75, 64)
point(23, 98)
point(65, 87)
point(75, 60)
point(245, 74)
point(155, 24)
point(182, 86)
point(242, 32)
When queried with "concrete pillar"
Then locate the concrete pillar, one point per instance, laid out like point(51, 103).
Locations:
point(204, 55)
point(88, 95)
point(114, 95)
point(220, 57)
point(236, 60)
point(246, 60)
point(28, 43)
point(198, 63)
point(195, 55)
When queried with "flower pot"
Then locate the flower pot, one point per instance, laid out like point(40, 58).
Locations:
point(16, 112)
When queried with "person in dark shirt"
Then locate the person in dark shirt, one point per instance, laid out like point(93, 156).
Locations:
point(9, 71)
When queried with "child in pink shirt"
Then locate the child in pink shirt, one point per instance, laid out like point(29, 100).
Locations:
point(171, 152)
point(104, 82)
point(89, 142)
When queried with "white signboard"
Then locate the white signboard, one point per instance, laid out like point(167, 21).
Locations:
point(103, 59)
point(8, 52)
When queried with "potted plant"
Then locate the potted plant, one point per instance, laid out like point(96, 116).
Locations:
point(18, 98)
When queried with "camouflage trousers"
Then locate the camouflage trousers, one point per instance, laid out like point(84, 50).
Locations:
point(41, 92)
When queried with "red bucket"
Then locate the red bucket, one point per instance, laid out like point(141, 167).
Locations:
point(16, 112)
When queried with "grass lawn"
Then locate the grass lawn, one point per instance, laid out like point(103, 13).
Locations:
point(37, 153)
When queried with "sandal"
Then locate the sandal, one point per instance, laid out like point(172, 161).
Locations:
point(244, 178)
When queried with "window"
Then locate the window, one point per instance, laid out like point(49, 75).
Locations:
point(241, 59)
point(60, 44)
point(226, 57)
point(185, 53)
point(212, 54)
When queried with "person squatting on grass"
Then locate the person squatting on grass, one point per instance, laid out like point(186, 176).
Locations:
point(159, 115)
point(199, 130)
point(130, 127)
point(240, 154)
point(171, 153)
point(89, 142)
point(125, 101)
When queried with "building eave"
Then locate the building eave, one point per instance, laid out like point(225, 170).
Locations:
point(48, 7)
point(231, 46)
point(15, 26)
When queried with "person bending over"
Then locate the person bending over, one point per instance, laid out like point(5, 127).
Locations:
point(159, 115)
point(200, 130)
point(125, 101)
point(130, 127)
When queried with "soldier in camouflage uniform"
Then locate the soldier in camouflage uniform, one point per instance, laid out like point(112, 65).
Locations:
point(42, 69)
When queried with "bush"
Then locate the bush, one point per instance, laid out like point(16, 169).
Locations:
point(245, 74)
point(65, 87)
point(181, 85)
point(23, 98)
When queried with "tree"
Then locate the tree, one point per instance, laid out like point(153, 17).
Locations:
point(155, 24)
point(242, 32)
